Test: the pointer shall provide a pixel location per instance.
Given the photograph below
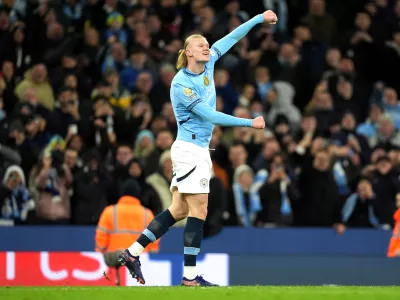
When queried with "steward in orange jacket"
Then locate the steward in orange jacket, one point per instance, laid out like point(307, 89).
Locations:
point(394, 246)
point(121, 224)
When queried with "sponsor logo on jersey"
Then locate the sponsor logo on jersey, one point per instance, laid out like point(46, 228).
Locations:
point(187, 91)
point(193, 96)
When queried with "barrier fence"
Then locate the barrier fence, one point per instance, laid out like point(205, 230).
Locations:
point(65, 256)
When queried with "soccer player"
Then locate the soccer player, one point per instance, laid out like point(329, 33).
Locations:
point(194, 101)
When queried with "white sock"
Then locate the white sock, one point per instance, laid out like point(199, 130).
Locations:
point(189, 272)
point(136, 249)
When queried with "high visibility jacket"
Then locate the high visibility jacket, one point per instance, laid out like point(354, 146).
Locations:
point(121, 224)
point(394, 246)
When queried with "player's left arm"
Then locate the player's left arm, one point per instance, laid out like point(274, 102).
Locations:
point(223, 45)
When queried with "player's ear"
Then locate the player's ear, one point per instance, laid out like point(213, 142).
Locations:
point(188, 53)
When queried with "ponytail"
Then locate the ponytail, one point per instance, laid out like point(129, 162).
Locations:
point(182, 59)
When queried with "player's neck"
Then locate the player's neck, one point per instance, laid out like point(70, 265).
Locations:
point(196, 68)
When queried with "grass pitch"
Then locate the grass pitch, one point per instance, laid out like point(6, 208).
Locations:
point(219, 293)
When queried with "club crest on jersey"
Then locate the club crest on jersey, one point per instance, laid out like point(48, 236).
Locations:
point(206, 81)
point(204, 182)
point(187, 91)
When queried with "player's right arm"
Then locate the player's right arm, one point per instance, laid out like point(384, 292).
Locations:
point(195, 104)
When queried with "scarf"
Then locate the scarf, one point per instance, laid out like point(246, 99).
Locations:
point(52, 183)
point(341, 179)
point(14, 210)
point(246, 217)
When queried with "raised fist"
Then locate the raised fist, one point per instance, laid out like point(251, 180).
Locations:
point(270, 17)
point(259, 123)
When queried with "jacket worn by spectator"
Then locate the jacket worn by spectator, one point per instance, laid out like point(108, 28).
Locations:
point(91, 191)
point(245, 202)
point(121, 224)
point(43, 90)
point(319, 202)
point(394, 246)
point(358, 212)
point(277, 197)
point(15, 200)
point(385, 186)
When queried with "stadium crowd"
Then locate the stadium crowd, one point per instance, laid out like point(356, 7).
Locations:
point(84, 106)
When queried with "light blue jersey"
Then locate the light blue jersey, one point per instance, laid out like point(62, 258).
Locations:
point(193, 95)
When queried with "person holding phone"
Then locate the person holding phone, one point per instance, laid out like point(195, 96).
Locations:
point(277, 194)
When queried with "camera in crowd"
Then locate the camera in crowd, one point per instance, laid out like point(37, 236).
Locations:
point(57, 161)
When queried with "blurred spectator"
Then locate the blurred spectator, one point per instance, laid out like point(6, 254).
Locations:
point(347, 136)
point(114, 235)
point(104, 127)
point(262, 78)
point(52, 183)
point(225, 89)
point(387, 136)
point(245, 202)
point(120, 96)
point(115, 32)
point(358, 210)
point(237, 157)
point(124, 154)
point(160, 182)
point(17, 52)
point(281, 10)
point(149, 197)
point(391, 105)
point(72, 160)
point(70, 116)
point(138, 62)
point(270, 149)
point(91, 189)
point(160, 94)
point(144, 144)
point(117, 59)
point(15, 200)
point(280, 100)
point(277, 194)
point(321, 23)
point(9, 157)
point(163, 142)
point(318, 204)
point(137, 117)
point(36, 78)
point(17, 140)
point(385, 184)
point(369, 127)
point(216, 207)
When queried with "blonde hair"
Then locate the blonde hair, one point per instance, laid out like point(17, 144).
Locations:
point(182, 60)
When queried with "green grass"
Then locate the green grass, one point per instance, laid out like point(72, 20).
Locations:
point(220, 293)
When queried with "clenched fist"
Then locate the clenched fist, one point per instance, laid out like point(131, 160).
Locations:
point(259, 123)
point(270, 17)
